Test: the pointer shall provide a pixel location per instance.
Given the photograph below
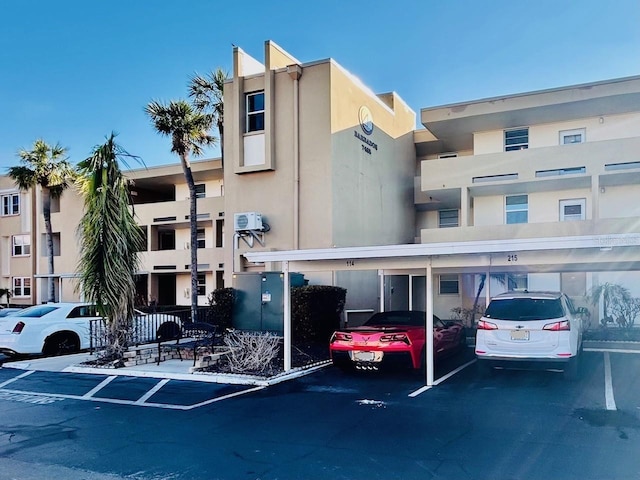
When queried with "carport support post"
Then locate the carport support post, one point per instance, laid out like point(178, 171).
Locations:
point(429, 328)
point(287, 316)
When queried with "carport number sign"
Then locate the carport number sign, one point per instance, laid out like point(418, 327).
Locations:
point(351, 263)
point(512, 258)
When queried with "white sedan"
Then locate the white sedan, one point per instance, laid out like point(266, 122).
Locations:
point(59, 328)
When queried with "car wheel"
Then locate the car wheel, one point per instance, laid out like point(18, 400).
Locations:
point(572, 368)
point(61, 344)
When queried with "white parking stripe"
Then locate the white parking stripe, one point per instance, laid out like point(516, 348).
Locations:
point(442, 379)
point(22, 375)
point(611, 350)
point(151, 392)
point(99, 387)
point(608, 384)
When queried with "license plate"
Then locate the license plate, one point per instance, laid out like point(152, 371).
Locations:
point(364, 356)
point(520, 335)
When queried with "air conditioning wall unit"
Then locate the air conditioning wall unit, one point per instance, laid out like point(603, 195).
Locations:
point(247, 221)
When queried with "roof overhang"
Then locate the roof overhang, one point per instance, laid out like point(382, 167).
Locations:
point(453, 125)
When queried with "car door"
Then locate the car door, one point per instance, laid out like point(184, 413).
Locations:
point(81, 317)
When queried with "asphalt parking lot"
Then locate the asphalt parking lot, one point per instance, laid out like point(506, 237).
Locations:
point(330, 424)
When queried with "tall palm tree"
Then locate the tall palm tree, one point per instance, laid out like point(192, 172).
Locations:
point(46, 166)
point(207, 94)
point(189, 132)
point(109, 242)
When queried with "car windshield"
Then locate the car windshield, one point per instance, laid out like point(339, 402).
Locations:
point(396, 318)
point(37, 311)
point(523, 309)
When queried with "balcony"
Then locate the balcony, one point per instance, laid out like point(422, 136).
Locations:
point(208, 260)
point(177, 212)
point(533, 170)
point(605, 226)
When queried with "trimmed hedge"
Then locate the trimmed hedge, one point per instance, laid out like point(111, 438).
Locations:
point(221, 301)
point(316, 311)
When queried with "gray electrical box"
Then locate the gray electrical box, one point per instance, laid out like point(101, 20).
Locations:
point(259, 303)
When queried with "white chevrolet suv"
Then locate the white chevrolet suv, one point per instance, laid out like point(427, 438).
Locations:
point(523, 328)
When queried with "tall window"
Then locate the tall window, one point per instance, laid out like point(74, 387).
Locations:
point(571, 210)
point(202, 284)
point(449, 284)
point(10, 204)
point(21, 245)
point(200, 190)
point(517, 209)
point(255, 111)
point(517, 139)
point(447, 218)
point(201, 239)
point(21, 286)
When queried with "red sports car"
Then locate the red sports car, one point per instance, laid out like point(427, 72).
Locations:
point(396, 337)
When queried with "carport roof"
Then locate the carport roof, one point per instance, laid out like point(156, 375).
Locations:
point(484, 247)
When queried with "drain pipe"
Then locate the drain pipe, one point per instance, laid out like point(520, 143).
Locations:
point(295, 72)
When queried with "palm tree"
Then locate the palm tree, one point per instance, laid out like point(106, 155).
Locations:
point(109, 242)
point(189, 132)
point(207, 93)
point(44, 165)
point(613, 295)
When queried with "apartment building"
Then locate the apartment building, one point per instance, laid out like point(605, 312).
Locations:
point(315, 160)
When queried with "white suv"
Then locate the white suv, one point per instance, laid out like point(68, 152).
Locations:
point(530, 327)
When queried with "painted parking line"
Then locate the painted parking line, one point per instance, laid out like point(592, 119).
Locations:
point(11, 380)
point(44, 398)
point(608, 384)
point(442, 379)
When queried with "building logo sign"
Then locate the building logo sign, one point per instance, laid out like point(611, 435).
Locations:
point(366, 120)
point(366, 123)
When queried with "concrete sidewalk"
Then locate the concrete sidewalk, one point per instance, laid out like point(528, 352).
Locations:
point(169, 369)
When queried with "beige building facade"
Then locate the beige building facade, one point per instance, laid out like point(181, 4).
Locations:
point(315, 160)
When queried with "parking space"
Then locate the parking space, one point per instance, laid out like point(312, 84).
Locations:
point(18, 385)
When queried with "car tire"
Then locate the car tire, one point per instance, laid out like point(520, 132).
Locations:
point(572, 368)
point(61, 343)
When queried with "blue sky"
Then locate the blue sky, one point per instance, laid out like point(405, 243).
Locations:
point(72, 71)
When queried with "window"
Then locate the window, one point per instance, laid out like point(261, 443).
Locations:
point(255, 111)
point(21, 286)
point(200, 190)
point(572, 136)
point(517, 209)
point(219, 233)
point(10, 204)
point(517, 281)
point(202, 284)
point(571, 210)
point(516, 139)
point(201, 242)
point(21, 245)
point(448, 218)
point(449, 284)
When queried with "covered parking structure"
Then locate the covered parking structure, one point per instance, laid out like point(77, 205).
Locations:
point(587, 253)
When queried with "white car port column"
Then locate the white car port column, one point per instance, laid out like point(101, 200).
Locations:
point(287, 316)
point(429, 328)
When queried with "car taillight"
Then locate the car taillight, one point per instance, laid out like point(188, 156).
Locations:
point(341, 337)
point(18, 328)
point(395, 337)
point(558, 326)
point(484, 325)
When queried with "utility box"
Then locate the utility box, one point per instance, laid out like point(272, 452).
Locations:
point(259, 303)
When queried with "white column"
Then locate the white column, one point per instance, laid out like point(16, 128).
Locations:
point(381, 286)
point(429, 327)
point(287, 316)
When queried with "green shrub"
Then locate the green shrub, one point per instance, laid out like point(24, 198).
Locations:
point(316, 312)
point(221, 302)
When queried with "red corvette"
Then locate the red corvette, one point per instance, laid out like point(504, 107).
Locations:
point(396, 337)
